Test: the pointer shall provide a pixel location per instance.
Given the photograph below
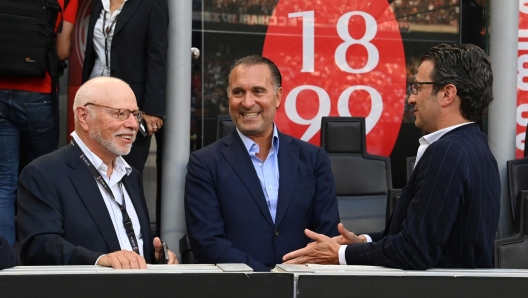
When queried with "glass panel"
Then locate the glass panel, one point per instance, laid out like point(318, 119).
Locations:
point(326, 51)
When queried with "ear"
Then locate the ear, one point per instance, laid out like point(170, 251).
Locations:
point(278, 97)
point(82, 116)
point(450, 94)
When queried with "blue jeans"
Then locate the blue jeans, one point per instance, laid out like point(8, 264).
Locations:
point(28, 129)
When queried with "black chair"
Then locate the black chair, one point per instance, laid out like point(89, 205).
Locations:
point(392, 200)
point(526, 139)
point(517, 171)
point(224, 126)
point(512, 252)
point(410, 161)
point(362, 180)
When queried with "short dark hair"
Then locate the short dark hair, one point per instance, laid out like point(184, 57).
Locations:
point(468, 68)
point(276, 76)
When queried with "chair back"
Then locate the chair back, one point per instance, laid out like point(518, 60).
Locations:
point(362, 180)
point(512, 252)
point(224, 126)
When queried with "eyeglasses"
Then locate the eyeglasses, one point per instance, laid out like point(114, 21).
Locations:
point(414, 86)
point(121, 114)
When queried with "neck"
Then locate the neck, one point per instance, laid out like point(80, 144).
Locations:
point(110, 168)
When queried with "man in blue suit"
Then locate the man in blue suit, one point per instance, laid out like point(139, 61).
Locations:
point(448, 212)
point(250, 195)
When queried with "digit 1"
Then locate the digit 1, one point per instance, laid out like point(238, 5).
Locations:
point(308, 19)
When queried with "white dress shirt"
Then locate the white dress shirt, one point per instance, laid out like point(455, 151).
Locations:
point(121, 168)
point(425, 141)
point(99, 37)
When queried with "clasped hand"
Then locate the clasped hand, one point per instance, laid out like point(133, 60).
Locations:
point(324, 250)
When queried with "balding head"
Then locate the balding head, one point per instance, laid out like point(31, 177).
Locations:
point(102, 90)
point(104, 111)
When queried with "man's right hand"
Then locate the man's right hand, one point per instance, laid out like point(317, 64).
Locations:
point(123, 259)
point(348, 237)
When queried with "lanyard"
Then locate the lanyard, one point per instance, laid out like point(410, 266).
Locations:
point(106, 34)
point(126, 219)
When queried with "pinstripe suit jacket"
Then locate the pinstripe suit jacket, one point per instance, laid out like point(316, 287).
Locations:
point(448, 212)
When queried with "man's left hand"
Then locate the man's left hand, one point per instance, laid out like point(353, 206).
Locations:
point(323, 251)
point(153, 123)
point(158, 247)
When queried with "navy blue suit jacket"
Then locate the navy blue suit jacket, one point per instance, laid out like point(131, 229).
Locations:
point(228, 220)
point(8, 257)
point(62, 217)
point(139, 51)
point(448, 212)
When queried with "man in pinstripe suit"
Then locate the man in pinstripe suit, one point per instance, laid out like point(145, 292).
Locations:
point(448, 212)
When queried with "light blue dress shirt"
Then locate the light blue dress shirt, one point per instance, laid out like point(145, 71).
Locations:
point(268, 170)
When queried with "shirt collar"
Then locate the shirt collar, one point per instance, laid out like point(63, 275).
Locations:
point(435, 136)
point(248, 143)
point(106, 4)
point(120, 165)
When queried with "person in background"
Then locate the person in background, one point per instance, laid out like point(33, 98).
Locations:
point(448, 212)
point(83, 204)
point(128, 39)
point(29, 121)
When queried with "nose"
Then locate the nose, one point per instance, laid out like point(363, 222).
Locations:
point(131, 122)
point(248, 101)
point(411, 99)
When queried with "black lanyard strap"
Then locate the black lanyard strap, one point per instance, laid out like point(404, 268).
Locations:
point(127, 222)
point(106, 34)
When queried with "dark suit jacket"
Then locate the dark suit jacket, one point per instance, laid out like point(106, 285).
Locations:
point(62, 218)
point(8, 257)
point(448, 212)
point(139, 51)
point(227, 217)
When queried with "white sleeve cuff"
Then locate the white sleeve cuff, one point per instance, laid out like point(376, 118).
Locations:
point(368, 237)
point(98, 259)
point(341, 253)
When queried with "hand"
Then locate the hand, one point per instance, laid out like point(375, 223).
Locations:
point(123, 259)
point(323, 251)
point(157, 252)
point(153, 123)
point(347, 237)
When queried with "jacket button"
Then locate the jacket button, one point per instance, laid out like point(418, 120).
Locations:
point(113, 71)
point(276, 233)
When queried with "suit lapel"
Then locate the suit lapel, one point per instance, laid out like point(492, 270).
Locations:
point(97, 6)
point(237, 156)
point(288, 162)
point(88, 190)
point(126, 13)
point(134, 194)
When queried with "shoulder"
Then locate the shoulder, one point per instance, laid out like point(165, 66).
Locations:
point(302, 145)
point(214, 148)
point(53, 159)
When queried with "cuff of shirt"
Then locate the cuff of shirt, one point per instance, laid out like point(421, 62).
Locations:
point(341, 253)
point(98, 259)
point(368, 237)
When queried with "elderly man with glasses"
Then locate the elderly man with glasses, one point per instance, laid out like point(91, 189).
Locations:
point(83, 204)
point(448, 212)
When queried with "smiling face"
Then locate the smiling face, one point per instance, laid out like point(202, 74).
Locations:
point(253, 101)
point(427, 108)
point(112, 137)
